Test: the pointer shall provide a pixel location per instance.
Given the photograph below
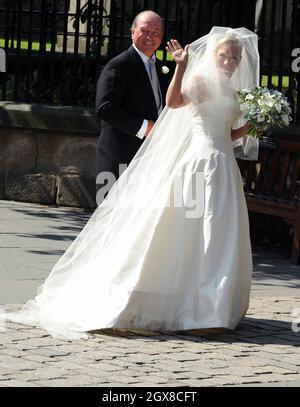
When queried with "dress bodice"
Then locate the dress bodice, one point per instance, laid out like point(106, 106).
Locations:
point(216, 116)
point(212, 121)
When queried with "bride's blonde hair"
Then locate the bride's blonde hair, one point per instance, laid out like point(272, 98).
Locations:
point(230, 38)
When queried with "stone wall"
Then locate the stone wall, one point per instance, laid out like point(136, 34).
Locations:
point(48, 154)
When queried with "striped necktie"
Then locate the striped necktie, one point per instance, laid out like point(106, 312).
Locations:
point(155, 84)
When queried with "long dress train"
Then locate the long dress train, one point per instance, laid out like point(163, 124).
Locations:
point(177, 267)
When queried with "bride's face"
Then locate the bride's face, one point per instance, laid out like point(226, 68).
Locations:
point(228, 57)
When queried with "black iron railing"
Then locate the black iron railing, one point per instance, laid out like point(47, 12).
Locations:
point(55, 49)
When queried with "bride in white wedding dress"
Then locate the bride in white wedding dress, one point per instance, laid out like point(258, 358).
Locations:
point(152, 257)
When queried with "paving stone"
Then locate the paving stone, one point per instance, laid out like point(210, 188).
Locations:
point(12, 352)
point(17, 383)
point(17, 363)
point(68, 382)
point(5, 371)
point(46, 372)
point(126, 380)
point(99, 355)
point(104, 367)
point(53, 352)
point(63, 364)
point(37, 358)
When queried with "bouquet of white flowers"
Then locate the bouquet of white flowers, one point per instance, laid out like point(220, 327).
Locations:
point(263, 108)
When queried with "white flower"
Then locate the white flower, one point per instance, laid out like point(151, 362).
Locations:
point(266, 99)
point(260, 118)
point(285, 119)
point(278, 107)
point(245, 107)
point(249, 97)
point(165, 70)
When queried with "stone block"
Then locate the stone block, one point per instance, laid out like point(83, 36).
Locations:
point(2, 196)
point(62, 153)
point(44, 117)
point(18, 150)
point(74, 190)
point(37, 188)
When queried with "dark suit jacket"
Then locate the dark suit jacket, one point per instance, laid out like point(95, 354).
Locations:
point(124, 99)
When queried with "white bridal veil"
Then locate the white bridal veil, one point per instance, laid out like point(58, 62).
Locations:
point(91, 281)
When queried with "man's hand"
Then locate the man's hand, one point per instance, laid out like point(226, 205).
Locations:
point(149, 127)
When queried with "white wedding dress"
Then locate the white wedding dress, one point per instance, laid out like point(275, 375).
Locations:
point(169, 270)
point(196, 272)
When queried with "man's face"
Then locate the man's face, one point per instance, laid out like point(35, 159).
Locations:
point(147, 35)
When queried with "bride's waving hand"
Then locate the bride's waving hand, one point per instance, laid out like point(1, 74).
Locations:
point(179, 54)
point(175, 96)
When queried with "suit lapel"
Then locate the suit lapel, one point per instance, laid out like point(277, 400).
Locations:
point(142, 77)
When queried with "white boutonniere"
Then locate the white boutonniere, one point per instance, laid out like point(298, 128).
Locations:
point(165, 70)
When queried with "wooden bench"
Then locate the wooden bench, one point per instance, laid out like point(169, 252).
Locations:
point(272, 185)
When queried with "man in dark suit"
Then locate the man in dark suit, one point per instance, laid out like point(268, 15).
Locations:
point(130, 95)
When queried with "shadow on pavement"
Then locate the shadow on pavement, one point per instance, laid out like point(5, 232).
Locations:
point(79, 216)
point(251, 330)
point(47, 236)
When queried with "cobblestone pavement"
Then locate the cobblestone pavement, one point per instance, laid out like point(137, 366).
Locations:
point(263, 350)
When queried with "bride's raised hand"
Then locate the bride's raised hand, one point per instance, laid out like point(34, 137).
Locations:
point(179, 54)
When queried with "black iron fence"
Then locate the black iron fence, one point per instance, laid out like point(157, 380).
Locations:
point(55, 49)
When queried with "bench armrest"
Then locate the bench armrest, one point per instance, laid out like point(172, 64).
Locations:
point(297, 190)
